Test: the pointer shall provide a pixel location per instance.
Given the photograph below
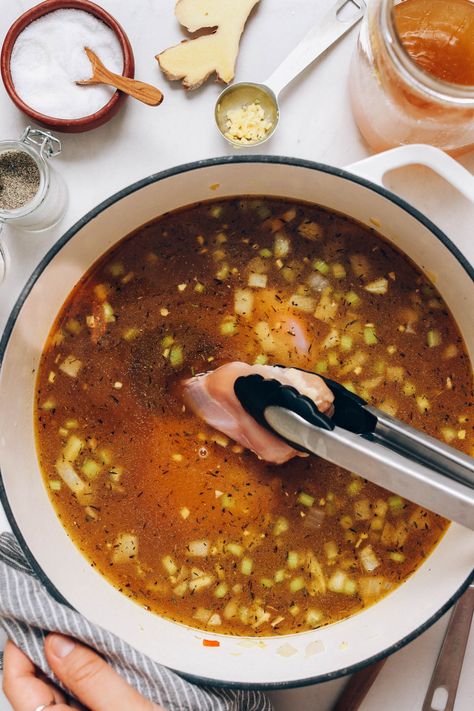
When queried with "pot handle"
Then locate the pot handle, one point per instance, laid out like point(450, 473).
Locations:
point(375, 167)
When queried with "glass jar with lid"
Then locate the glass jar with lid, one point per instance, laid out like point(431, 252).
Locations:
point(33, 195)
point(412, 74)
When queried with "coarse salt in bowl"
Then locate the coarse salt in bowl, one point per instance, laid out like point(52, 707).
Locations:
point(43, 56)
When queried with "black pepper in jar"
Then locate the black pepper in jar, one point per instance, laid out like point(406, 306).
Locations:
point(19, 179)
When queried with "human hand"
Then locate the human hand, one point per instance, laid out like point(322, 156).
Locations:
point(87, 676)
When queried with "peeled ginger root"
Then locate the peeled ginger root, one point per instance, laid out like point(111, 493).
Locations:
point(195, 60)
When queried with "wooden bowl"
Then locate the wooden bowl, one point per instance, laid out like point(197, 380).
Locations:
point(85, 123)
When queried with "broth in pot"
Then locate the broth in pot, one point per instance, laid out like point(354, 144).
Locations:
point(175, 514)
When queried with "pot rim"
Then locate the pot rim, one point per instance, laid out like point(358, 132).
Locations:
point(129, 190)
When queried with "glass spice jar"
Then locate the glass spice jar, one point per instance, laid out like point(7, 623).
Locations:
point(395, 100)
point(33, 196)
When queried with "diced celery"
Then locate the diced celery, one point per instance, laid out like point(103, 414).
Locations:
point(266, 582)
point(227, 501)
point(377, 524)
point(346, 522)
point(184, 512)
point(281, 525)
point(280, 575)
point(352, 298)
point(167, 341)
point(246, 566)
point(223, 272)
point(91, 468)
point(199, 287)
point(362, 509)
point(333, 360)
point(117, 269)
point(409, 389)
point(396, 557)
point(265, 253)
point(305, 499)
point(176, 356)
point(339, 271)
point(350, 587)
point(355, 487)
point(130, 334)
point(423, 403)
point(321, 366)
point(448, 433)
point(346, 343)
point(49, 404)
point(297, 584)
point(234, 549)
point(395, 503)
point(321, 266)
point(216, 211)
point(433, 338)
point(292, 560)
point(370, 337)
point(294, 610)
point(108, 312)
point(221, 590)
point(73, 326)
point(55, 485)
point(261, 359)
point(228, 326)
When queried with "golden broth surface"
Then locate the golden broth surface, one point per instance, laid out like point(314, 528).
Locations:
point(174, 514)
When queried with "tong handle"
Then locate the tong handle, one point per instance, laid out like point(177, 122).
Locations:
point(422, 448)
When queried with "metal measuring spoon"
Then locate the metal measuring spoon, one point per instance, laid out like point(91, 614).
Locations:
point(263, 98)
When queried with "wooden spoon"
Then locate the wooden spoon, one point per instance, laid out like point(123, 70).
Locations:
point(101, 75)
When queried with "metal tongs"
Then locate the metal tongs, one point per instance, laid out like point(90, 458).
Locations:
point(368, 442)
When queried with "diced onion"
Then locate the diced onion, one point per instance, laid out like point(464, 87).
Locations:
point(70, 477)
point(71, 366)
point(200, 549)
point(302, 303)
point(257, 281)
point(125, 548)
point(281, 246)
point(368, 559)
point(379, 286)
point(243, 302)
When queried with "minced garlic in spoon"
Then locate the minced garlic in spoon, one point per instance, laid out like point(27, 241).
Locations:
point(247, 113)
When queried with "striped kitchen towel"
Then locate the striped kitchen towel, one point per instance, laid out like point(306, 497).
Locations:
point(28, 613)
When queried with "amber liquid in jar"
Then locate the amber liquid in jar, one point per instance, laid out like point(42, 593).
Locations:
point(417, 86)
point(439, 37)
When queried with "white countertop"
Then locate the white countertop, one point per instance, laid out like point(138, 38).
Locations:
point(316, 124)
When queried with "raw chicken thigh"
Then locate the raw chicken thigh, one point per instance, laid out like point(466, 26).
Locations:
point(211, 396)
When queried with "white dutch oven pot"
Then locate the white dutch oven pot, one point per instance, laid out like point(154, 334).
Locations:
point(279, 661)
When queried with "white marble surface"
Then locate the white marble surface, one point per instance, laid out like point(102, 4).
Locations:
point(316, 124)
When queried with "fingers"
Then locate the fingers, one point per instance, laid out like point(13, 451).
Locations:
point(23, 689)
point(90, 679)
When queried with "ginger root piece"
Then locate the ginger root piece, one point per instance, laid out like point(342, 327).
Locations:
point(195, 60)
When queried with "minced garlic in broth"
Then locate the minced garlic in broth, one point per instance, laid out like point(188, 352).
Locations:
point(174, 514)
